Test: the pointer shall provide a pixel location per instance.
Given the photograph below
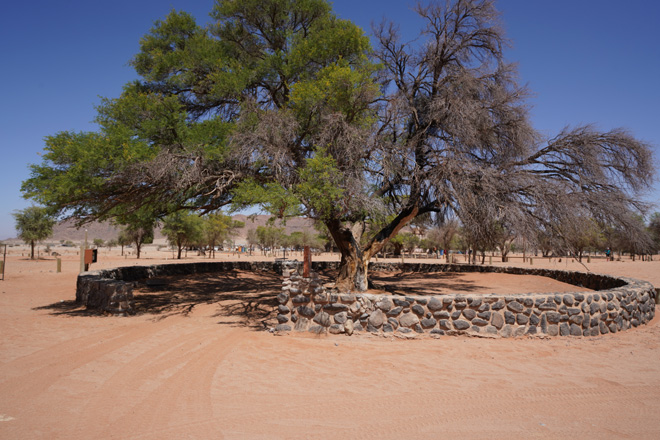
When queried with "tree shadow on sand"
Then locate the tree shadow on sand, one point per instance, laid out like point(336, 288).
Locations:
point(415, 283)
point(242, 298)
point(424, 284)
point(68, 308)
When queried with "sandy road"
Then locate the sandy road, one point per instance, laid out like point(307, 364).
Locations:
point(206, 373)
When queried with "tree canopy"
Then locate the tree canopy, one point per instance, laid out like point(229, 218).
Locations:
point(283, 105)
point(183, 229)
point(33, 225)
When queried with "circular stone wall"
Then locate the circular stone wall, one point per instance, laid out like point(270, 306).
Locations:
point(306, 305)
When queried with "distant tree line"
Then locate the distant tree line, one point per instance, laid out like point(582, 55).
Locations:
point(577, 238)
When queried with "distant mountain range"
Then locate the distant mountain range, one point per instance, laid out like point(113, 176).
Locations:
point(66, 231)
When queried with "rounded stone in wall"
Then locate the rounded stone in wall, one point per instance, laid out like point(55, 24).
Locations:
point(408, 320)
point(497, 321)
point(445, 324)
point(434, 304)
point(460, 324)
point(498, 305)
point(418, 310)
point(515, 307)
point(336, 329)
point(428, 322)
point(341, 318)
point(384, 304)
point(393, 322)
point(377, 318)
point(323, 319)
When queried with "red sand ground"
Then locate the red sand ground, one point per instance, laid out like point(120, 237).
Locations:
point(198, 366)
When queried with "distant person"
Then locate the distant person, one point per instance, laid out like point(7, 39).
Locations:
point(608, 253)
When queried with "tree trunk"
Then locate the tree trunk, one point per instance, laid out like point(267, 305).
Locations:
point(32, 250)
point(353, 267)
point(178, 252)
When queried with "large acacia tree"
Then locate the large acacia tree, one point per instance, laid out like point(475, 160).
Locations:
point(279, 103)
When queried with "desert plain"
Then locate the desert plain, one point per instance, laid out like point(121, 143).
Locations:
point(198, 362)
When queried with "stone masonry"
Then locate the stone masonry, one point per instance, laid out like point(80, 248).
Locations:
point(306, 305)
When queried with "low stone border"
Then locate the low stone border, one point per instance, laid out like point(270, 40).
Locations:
point(620, 303)
point(306, 305)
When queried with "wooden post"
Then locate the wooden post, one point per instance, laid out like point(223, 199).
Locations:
point(59, 265)
point(307, 262)
point(2, 263)
point(531, 261)
point(83, 246)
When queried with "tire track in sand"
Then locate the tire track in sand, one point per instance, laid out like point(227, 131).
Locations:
point(40, 370)
point(178, 405)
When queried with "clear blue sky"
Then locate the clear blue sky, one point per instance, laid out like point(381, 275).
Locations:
point(587, 61)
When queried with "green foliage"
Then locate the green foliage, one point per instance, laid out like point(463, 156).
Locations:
point(252, 237)
point(270, 236)
point(300, 239)
point(410, 241)
point(124, 239)
point(183, 229)
point(270, 197)
point(165, 143)
point(33, 225)
point(73, 169)
point(337, 88)
point(138, 229)
point(217, 228)
point(98, 242)
point(403, 241)
point(321, 185)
